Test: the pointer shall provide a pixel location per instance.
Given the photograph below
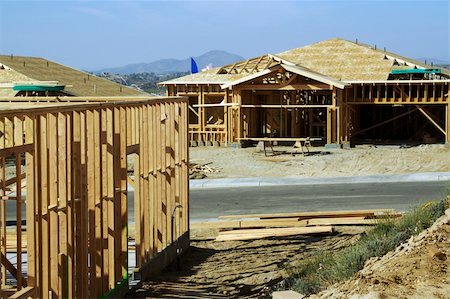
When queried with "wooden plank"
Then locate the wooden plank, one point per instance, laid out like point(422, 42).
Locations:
point(110, 197)
point(19, 219)
point(24, 293)
point(105, 200)
point(318, 214)
point(138, 219)
point(83, 212)
point(253, 234)
point(2, 132)
point(44, 201)
point(155, 192)
point(123, 194)
point(90, 185)
point(342, 221)
point(9, 132)
point(137, 185)
point(283, 222)
point(98, 235)
point(70, 208)
point(18, 131)
point(149, 131)
point(145, 186)
point(177, 168)
point(185, 167)
point(167, 173)
point(30, 205)
point(159, 180)
point(431, 120)
point(21, 281)
point(216, 224)
point(62, 196)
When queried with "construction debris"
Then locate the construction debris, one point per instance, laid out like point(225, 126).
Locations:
point(200, 171)
point(257, 226)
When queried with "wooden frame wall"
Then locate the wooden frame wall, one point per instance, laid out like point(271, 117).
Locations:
point(341, 116)
point(75, 160)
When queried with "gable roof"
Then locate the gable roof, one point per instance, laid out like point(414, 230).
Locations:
point(336, 59)
point(77, 83)
point(291, 68)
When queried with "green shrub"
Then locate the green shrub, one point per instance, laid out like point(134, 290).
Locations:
point(325, 269)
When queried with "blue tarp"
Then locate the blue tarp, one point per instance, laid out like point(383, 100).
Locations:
point(194, 68)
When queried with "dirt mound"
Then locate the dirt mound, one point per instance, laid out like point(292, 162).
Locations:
point(419, 268)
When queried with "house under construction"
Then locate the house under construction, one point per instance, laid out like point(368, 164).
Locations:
point(344, 92)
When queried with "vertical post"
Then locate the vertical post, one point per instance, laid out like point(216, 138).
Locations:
point(30, 202)
point(98, 205)
point(447, 121)
point(83, 259)
point(45, 266)
point(19, 219)
point(329, 125)
point(239, 114)
point(123, 193)
point(62, 195)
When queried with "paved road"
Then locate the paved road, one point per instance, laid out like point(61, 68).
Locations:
point(209, 203)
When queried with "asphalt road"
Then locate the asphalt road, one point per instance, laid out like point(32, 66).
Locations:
point(208, 204)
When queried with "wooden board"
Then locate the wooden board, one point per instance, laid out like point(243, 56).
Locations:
point(318, 214)
point(252, 234)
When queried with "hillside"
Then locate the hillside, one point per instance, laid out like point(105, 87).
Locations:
point(147, 82)
point(215, 58)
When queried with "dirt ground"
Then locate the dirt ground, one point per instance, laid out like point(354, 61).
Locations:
point(418, 269)
point(251, 269)
point(239, 269)
point(364, 160)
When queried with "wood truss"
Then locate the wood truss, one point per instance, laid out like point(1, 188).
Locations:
point(70, 162)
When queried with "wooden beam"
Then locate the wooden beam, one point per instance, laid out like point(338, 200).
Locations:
point(318, 214)
point(28, 292)
point(286, 106)
point(431, 120)
point(252, 234)
point(11, 269)
point(316, 86)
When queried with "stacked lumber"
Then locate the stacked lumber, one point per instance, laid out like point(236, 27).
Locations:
point(200, 171)
point(252, 234)
point(256, 226)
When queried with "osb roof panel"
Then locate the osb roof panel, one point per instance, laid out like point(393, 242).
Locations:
point(209, 77)
point(342, 60)
point(9, 75)
point(81, 83)
point(7, 92)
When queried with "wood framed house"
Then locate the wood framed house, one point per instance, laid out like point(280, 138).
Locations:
point(338, 90)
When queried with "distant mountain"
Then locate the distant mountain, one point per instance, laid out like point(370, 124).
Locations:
point(214, 58)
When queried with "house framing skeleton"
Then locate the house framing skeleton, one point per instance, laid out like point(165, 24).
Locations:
point(335, 89)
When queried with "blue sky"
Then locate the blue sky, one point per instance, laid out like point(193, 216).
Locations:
point(95, 34)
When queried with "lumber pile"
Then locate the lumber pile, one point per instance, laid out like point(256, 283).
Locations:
point(256, 226)
point(201, 171)
point(252, 234)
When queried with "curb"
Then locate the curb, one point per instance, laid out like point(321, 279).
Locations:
point(299, 180)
